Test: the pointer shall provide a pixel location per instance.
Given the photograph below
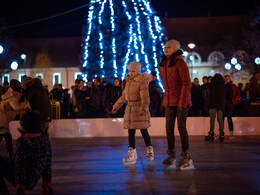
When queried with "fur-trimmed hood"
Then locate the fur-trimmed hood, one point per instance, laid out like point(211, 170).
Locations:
point(145, 77)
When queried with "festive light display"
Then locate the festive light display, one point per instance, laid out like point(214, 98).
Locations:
point(119, 32)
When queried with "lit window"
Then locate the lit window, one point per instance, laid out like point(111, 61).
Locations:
point(216, 58)
point(78, 75)
point(5, 77)
point(39, 75)
point(20, 77)
point(193, 58)
point(56, 78)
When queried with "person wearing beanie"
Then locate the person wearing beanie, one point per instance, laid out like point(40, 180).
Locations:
point(9, 108)
point(30, 159)
point(137, 115)
point(175, 76)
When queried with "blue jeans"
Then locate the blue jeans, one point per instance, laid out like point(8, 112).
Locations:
point(229, 120)
point(171, 112)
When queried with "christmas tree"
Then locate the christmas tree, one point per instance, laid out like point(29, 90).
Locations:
point(119, 32)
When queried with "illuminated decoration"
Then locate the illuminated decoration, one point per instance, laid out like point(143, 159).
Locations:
point(14, 65)
point(39, 75)
point(228, 66)
point(238, 67)
point(56, 78)
point(118, 32)
point(23, 56)
point(257, 60)
point(185, 53)
point(5, 77)
point(233, 61)
point(1, 49)
point(20, 77)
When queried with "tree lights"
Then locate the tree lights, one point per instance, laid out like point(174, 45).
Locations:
point(119, 32)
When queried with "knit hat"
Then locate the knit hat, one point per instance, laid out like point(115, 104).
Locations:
point(134, 66)
point(31, 122)
point(153, 73)
point(15, 85)
point(173, 44)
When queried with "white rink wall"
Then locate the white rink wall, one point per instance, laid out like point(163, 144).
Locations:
point(113, 127)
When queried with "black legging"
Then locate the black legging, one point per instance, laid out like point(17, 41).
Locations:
point(131, 137)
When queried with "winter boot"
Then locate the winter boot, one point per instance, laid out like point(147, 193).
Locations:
point(210, 137)
point(186, 162)
point(170, 161)
point(46, 187)
point(221, 137)
point(149, 153)
point(131, 157)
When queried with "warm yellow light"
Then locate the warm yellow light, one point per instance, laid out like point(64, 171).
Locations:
point(191, 45)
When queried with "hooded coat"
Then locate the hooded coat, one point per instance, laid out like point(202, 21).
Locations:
point(136, 95)
point(10, 107)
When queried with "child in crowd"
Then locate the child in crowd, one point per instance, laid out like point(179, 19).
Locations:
point(137, 115)
point(9, 108)
point(30, 160)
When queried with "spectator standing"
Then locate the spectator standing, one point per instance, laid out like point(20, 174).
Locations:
point(205, 95)
point(9, 108)
point(155, 97)
point(236, 95)
point(254, 87)
point(114, 92)
point(196, 99)
point(217, 98)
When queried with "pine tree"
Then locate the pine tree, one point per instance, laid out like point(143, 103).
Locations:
point(119, 32)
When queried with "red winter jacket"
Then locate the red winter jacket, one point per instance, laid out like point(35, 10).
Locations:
point(176, 81)
point(236, 94)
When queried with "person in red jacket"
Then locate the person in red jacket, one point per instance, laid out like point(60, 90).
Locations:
point(177, 100)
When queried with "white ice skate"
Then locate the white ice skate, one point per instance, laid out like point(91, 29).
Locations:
point(170, 163)
point(149, 154)
point(131, 157)
point(186, 163)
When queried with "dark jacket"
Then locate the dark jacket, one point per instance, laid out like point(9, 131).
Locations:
point(229, 106)
point(217, 92)
point(176, 81)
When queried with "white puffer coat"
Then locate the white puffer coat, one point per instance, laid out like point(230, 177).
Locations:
point(136, 95)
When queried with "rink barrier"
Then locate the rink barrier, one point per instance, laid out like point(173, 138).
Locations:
point(113, 127)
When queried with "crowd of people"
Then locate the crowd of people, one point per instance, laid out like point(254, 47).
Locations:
point(137, 98)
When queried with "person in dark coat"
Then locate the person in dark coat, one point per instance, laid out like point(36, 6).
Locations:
point(155, 96)
point(114, 92)
point(30, 159)
point(217, 99)
point(196, 99)
point(97, 99)
point(229, 107)
point(39, 100)
point(205, 95)
point(80, 94)
point(254, 87)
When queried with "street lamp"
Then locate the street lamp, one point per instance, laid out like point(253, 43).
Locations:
point(191, 45)
point(23, 56)
point(257, 60)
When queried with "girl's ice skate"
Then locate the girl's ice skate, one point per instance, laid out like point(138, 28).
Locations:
point(149, 153)
point(186, 162)
point(131, 157)
point(170, 161)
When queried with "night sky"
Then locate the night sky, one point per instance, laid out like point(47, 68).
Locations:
point(19, 12)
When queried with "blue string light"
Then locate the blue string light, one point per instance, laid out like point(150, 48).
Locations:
point(134, 34)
